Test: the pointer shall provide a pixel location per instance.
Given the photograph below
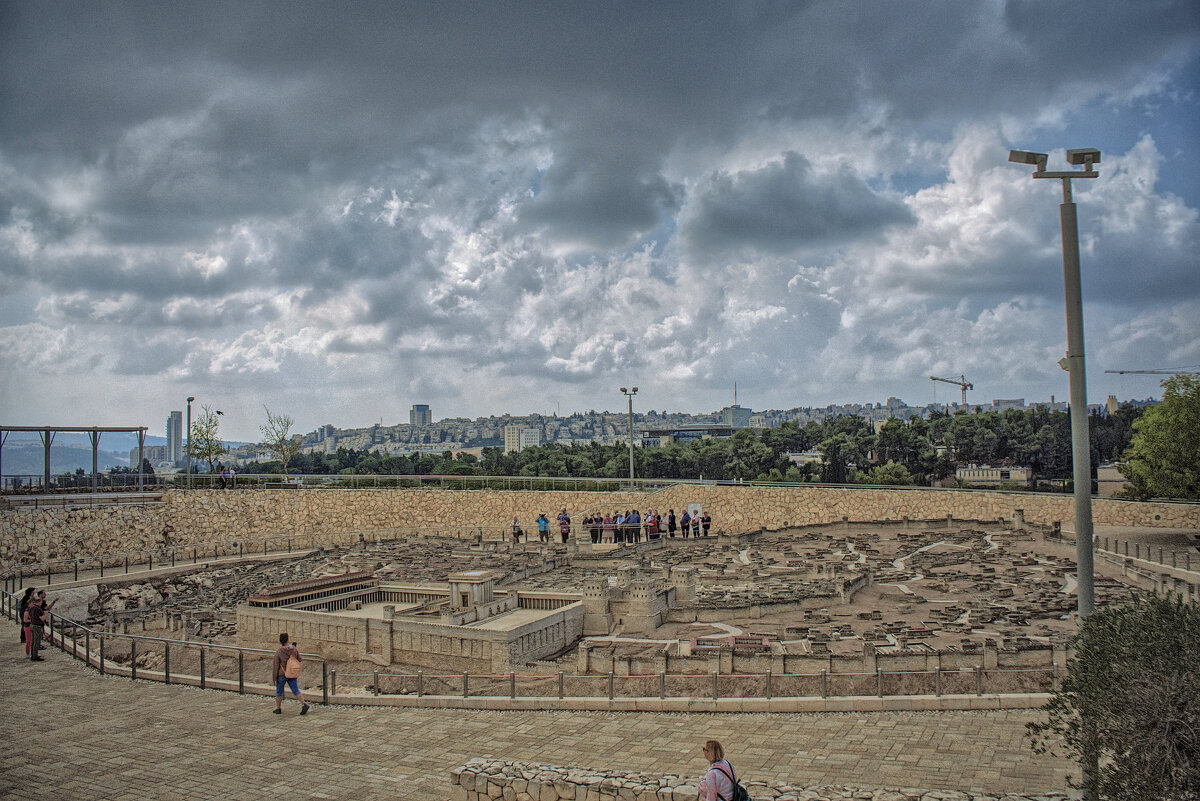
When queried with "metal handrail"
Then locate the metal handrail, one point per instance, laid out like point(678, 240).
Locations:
point(9, 605)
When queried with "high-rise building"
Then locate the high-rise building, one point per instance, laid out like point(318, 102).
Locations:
point(517, 437)
point(420, 415)
point(175, 437)
point(736, 416)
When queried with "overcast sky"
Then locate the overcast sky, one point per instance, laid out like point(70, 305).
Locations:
point(342, 209)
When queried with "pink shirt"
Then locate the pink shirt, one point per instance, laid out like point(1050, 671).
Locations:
point(716, 786)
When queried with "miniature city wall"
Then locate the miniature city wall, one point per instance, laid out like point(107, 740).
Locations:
point(340, 516)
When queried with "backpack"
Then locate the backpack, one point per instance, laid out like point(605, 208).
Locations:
point(292, 669)
point(739, 792)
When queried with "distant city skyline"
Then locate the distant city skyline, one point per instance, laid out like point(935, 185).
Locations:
point(342, 210)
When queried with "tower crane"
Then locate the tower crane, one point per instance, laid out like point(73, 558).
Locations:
point(1180, 371)
point(962, 383)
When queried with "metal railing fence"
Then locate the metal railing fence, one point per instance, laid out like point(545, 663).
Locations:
point(139, 656)
point(120, 563)
point(975, 680)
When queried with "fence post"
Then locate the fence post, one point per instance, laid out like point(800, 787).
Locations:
point(978, 680)
point(167, 663)
point(824, 687)
point(512, 684)
point(420, 683)
point(202, 679)
point(937, 681)
point(561, 681)
point(87, 646)
point(241, 673)
point(714, 685)
point(133, 660)
point(465, 691)
point(126, 563)
point(610, 685)
point(375, 681)
point(77, 570)
point(172, 557)
point(101, 654)
point(879, 680)
point(150, 557)
point(1054, 676)
point(768, 685)
point(193, 558)
point(662, 684)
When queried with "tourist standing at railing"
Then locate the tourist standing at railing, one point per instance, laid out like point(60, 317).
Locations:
point(232, 477)
point(25, 601)
point(35, 613)
point(706, 521)
point(285, 670)
point(685, 523)
point(618, 527)
point(671, 523)
point(696, 524)
point(564, 525)
point(223, 476)
point(609, 529)
point(717, 784)
point(516, 531)
point(633, 524)
point(543, 524)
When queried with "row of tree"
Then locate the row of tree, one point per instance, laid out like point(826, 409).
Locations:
point(1160, 445)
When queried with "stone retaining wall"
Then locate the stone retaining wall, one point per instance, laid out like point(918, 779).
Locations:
point(40, 535)
point(488, 779)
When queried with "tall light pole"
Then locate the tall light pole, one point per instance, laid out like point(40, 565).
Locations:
point(629, 394)
point(1080, 444)
point(188, 449)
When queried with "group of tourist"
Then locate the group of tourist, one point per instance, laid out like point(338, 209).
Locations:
point(227, 475)
point(621, 527)
point(33, 610)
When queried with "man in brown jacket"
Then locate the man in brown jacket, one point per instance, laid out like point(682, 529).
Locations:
point(284, 655)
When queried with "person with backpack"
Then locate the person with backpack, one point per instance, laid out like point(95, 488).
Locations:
point(286, 670)
point(720, 781)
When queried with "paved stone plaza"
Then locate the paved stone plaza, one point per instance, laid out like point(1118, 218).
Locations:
point(73, 733)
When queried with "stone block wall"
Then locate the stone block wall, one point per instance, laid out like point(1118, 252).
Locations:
point(488, 779)
point(339, 516)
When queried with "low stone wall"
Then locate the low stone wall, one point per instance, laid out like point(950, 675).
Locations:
point(488, 779)
point(337, 516)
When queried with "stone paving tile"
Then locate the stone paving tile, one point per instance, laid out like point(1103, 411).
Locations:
point(110, 738)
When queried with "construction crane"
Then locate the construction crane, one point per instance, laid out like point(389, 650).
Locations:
point(962, 383)
point(1179, 371)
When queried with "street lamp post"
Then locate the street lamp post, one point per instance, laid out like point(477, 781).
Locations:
point(1080, 445)
point(188, 449)
point(629, 393)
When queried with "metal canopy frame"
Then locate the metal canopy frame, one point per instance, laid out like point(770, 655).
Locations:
point(46, 435)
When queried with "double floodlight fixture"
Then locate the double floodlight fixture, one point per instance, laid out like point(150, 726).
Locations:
point(628, 391)
point(1084, 157)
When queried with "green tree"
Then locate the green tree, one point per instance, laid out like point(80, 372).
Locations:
point(1129, 705)
point(1163, 460)
point(891, 473)
point(277, 435)
point(204, 442)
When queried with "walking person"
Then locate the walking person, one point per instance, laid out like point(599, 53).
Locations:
point(285, 670)
point(719, 780)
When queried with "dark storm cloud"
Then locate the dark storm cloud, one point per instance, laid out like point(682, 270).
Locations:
point(526, 194)
point(786, 208)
